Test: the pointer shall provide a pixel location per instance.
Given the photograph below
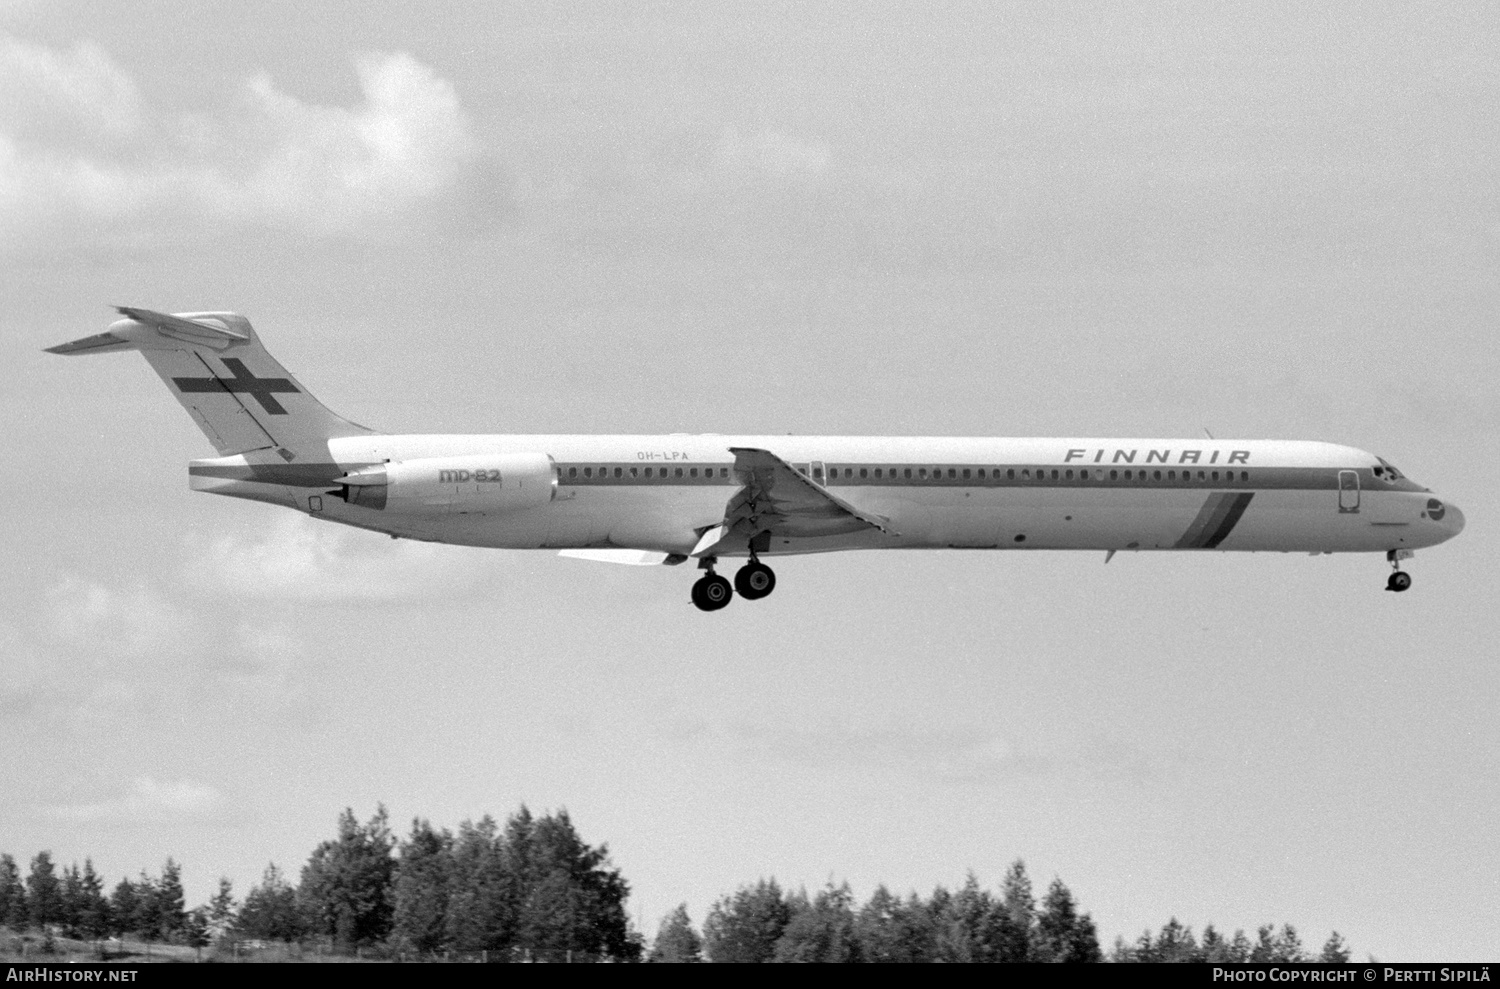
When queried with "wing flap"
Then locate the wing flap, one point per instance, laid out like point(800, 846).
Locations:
point(780, 500)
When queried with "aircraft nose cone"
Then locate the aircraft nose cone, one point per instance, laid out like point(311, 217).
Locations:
point(1455, 519)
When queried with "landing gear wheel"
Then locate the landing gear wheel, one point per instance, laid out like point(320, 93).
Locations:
point(1400, 581)
point(711, 592)
point(754, 581)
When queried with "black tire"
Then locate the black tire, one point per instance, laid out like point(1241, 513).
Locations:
point(699, 601)
point(754, 581)
point(712, 592)
point(1400, 581)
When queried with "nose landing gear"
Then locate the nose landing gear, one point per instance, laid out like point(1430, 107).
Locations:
point(1399, 580)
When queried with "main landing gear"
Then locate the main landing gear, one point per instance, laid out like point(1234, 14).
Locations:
point(753, 581)
point(1399, 580)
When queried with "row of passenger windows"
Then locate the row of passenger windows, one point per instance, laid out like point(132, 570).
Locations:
point(924, 473)
point(1026, 474)
point(690, 472)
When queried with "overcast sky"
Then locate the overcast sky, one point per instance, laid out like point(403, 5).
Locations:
point(1031, 219)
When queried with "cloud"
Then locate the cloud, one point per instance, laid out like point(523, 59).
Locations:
point(135, 621)
point(335, 168)
point(954, 756)
point(147, 801)
point(768, 152)
point(299, 560)
point(49, 91)
point(125, 170)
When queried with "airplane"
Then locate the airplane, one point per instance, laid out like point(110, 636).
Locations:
point(703, 497)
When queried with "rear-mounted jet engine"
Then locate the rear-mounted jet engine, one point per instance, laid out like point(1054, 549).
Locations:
point(483, 484)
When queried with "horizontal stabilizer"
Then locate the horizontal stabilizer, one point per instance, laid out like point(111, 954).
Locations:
point(205, 331)
point(99, 343)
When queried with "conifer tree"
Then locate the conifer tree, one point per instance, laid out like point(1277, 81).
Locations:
point(746, 926)
point(676, 941)
point(346, 884)
point(1335, 951)
point(271, 911)
point(878, 928)
point(484, 891)
point(123, 906)
point(971, 925)
point(1063, 935)
point(13, 910)
point(44, 892)
point(195, 928)
point(572, 900)
point(171, 913)
point(820, 930)
point(421, 892)
point(221, 910)
point(93, 913)
point(1176, 943)
point(1018, 915)
point(1213, 947)
point(71, 890)
point(144, 921)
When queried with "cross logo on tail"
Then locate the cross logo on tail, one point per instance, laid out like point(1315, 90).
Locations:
point(244, 382)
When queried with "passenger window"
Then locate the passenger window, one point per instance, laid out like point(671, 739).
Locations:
point(1171, 475)
point(921, 472)
point(966, 474)
point(1069, 475)
point(723, 471)
point(981, 473)
point(618, 472)
point(1010, 473)
point(1200, 475)
point(1244, 475)
point(679, 472)
point(908, 473)
point(588, 472)
point(864, 472)
point(1083, 475)
point(1114, 475)
point(1216, 475)
point(1025, 473)
point(1127, 475)
point(1054, 474)
point(1156, 475)
point(952, 473)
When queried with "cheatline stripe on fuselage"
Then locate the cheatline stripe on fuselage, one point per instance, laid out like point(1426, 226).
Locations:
point(1215, 520)
point(632, 474)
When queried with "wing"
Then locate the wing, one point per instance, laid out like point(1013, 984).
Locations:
point(779, 500)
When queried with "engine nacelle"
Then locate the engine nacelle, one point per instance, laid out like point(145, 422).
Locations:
point(481, 483)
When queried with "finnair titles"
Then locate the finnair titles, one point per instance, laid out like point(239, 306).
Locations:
point(708, 498)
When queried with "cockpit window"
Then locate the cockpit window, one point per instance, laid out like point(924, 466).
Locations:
point(1390, 473)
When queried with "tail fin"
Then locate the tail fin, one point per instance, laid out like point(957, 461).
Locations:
point(236, 392)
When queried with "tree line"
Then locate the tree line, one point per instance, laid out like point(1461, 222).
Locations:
point(762, 923)
point(533, 888)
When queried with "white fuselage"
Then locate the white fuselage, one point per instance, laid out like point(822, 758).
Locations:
point(662, 492)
